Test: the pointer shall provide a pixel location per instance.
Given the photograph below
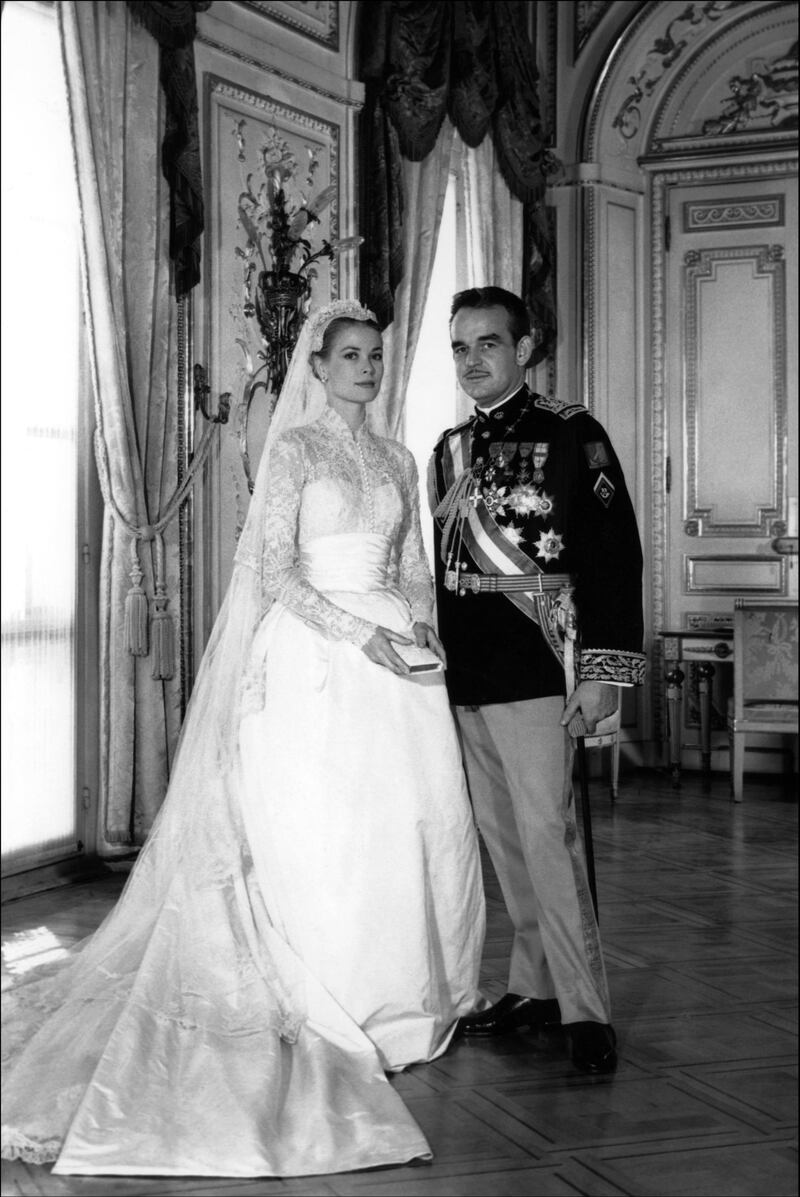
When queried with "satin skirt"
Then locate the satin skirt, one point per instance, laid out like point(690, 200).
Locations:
point(358, 814)
point(304, 919)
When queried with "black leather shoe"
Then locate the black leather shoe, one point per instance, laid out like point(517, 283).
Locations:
point(509, 1014)
point(593, 1046)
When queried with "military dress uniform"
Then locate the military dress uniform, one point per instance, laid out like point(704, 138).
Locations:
point(539, 586)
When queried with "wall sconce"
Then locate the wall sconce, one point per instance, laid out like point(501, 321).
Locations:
point(279, 304)
point(201, 391)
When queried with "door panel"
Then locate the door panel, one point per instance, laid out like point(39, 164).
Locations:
point(730, 338)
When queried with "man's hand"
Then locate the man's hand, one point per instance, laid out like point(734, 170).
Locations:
point(594, 701)
point(379, 649)
point(427, 638)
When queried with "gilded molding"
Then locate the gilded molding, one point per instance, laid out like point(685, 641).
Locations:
point(700, 264)
point(271, 69)
point(185, 425)
point(327, 131)
point(684, 28)
point(746, 22)
point(325, 31)
point(708, 621)
point(655, 68)
point(765, 211)
point(661, 181)
point(739, 581)
point(658, 441)
point(597, 101)
point(589, 298)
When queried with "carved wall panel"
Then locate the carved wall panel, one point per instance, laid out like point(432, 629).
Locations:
point(734, 213)
point(249, 132)
point(735, 402)
point(728, 574)
point(274, 96)
point(316, 19)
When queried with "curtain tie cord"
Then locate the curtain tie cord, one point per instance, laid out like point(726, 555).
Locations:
point(136, 602)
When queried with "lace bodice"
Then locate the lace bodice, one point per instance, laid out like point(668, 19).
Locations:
point(325, 480)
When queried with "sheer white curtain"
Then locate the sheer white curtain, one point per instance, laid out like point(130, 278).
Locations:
point(493, 245)
point(424, 189)
point(111, 67)
point(40, 446)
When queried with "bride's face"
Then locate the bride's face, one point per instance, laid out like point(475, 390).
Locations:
point(353, 370)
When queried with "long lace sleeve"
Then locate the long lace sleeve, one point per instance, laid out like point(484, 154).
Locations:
point(281, 578)
point(414, 575)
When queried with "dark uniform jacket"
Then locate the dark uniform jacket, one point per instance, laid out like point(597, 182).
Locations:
point(549, 476)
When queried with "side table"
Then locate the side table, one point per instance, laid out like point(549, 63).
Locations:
point(706, 647)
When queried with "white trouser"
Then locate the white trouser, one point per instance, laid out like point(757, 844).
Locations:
point(519, 766)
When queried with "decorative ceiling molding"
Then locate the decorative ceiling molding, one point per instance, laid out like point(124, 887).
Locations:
point(644, 61)
point(659, 59)
point(764, 117)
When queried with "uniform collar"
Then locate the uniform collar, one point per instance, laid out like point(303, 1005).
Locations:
point(505, 411)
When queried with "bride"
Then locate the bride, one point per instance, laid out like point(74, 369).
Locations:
point(307, 914)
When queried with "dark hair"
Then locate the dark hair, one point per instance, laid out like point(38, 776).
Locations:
point(328, 336)
point(519, 320)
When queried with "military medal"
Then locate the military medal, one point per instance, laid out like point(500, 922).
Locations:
point(544, 504)
point(540, 452)
point(524, 471)
point(550, 545)
point(497, 460)
point(509, 452)
point(495, 497)
point(527, 500)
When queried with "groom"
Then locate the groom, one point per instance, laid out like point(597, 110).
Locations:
point(533, 523)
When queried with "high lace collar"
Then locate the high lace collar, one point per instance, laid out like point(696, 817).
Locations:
point(338, 426)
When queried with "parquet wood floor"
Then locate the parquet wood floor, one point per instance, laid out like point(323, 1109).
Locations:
point(698, 908)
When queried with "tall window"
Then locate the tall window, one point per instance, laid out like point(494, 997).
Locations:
point(42, 445)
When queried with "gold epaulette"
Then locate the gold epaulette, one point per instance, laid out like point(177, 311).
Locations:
point(559, 407)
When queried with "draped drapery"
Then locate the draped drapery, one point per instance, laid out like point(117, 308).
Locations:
point(173, 23)
point(471, 61)
point(111, 69)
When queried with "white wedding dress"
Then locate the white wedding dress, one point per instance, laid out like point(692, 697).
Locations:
point(308, 911)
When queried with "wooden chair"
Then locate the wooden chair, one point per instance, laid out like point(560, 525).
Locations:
point(607, 734)
point(764, 678)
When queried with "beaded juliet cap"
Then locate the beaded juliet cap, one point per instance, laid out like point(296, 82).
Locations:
point(318, 321)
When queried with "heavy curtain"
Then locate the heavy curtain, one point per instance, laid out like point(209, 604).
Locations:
point(173, 23)
point(473, 62)
point(111, 68)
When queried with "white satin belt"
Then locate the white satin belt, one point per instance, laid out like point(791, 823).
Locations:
point(354, 561)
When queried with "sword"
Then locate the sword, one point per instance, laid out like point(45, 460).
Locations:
point(577, 729)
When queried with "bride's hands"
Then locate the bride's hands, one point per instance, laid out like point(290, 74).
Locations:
point(427, 638)
point(379, 649)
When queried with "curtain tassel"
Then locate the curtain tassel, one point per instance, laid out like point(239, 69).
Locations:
point(163, 624)
point(163, 630)
point(136, 609)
